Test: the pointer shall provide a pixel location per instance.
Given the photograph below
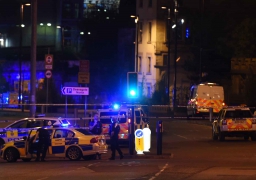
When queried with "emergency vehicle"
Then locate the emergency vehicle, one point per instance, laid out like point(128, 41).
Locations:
point(202, 97)
point(69, 142)
point(234, 122)
point(123, 115)
point(21, 128)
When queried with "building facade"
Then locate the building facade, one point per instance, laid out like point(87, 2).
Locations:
point(152, 61)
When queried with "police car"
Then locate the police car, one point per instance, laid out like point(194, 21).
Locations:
point(72, 143)
point(234, 122)
point(20, 128)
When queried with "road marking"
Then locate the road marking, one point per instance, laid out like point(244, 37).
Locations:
point(157, 174)
point(43, 178)
point(181, 136)
point(93, 164)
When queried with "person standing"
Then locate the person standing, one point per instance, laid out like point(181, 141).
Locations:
point(95, 126)
point(115, 129)
point(43, 137)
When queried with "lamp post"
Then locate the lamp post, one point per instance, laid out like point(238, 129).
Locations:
point(33, 59)
point(168, 55)
point(136, 42)
point(175, 55)
point(20, 53)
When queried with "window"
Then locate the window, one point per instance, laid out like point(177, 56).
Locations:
point(34, 124)
point(148, 92)
point(20, 124)
point(66, 11)
point(139, 64)
point(141, 3)
point(149, 3)
point(149, 65)
point(165, 60)
point(140, 32)
point(149, 32)
point(76, 12)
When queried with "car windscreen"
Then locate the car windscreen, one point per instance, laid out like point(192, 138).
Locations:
point(238, 114)
point(84, 131)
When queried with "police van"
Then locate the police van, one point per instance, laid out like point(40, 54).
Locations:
point(21, 128)
point(124, 116)
point(202, 97)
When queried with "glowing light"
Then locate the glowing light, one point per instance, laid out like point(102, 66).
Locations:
point(41, 24)
point(82, 33)
point(49, 24)
point(173, 26)
point(116, 106)
point(58, 27)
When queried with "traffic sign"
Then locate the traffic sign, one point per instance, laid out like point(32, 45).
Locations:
point(84, 66)
point(83, 77)
point(75, 91)
point(48, 61)
point(48, 74)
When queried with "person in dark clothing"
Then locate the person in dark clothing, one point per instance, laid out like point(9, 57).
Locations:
point(95, 126)
point(115, 129)
point(43, 137)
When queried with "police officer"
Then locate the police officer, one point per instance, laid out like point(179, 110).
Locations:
point(95, 126)
point(115, 129)
point(43, 143)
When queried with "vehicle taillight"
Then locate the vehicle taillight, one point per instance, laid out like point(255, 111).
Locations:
point(224, 122)
point(94, 140)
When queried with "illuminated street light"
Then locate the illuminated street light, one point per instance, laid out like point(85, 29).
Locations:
point(175, 56)
point(136, 40)
point(20, 60)
point(168, 56)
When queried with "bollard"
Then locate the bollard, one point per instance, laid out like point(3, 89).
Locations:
point(210, 113)
point(159, 132)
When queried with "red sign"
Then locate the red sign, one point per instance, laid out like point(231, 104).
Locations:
point(48, 61)
point(84, 66)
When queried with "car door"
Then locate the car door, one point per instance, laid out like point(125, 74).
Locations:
point(57, 147)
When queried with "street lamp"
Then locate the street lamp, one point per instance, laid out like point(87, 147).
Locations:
point(168, 56)
point(20, 61)
point(175, 55)
point(136, 41)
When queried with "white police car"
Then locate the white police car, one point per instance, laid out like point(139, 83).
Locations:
point(21, 128)
point(72, 143)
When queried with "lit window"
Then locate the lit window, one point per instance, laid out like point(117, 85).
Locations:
point(139, 64)
point(149, 65)
point(149, 32)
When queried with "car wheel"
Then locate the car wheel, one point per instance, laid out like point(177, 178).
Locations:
point(221, 136)
point(26, 159)
point(74, 153)
point(11, 155)
point(214, 135)
point(246, 138)
point(253, 137)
